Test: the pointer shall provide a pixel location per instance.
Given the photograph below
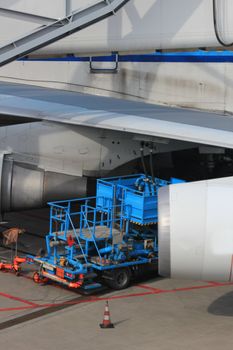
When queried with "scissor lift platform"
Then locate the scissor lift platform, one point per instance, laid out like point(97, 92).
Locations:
point(103, 238)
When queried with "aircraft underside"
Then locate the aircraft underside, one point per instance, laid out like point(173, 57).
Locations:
point(59, 140)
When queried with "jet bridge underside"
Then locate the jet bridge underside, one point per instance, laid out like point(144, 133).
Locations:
point(140, 26)
point(52, 32)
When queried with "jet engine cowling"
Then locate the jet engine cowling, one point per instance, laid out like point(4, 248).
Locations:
point(196, 230)
point(24, 186)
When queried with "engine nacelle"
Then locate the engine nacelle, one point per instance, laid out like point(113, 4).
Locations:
point(24, 186)
point(196, 230)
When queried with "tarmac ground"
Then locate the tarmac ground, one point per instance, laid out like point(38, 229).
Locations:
point(151, 314)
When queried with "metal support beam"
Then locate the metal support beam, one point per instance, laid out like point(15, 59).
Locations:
point(68, 7)
point(60, 29)
point(23, 15)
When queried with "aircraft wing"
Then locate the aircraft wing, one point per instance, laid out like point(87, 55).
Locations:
point(24, 102)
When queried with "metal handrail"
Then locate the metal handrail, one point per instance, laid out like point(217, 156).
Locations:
point(77, 237)
point(95, 70)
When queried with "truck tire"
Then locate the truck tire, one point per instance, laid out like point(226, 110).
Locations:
point(120, 279)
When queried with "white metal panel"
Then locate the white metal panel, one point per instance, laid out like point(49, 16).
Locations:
point(187, 229)
point(53, 9)
point(219, 232)
point(11, 27)
point(140, 26)
point(152, 24)
point(200, 230)
point(76, 4)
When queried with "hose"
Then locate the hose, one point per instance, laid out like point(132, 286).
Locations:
point(143, 160)
point(216, 27)
point(151, 165)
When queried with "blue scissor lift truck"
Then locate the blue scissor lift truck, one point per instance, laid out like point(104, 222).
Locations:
point(104, 239)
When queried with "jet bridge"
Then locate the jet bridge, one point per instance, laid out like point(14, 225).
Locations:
point(48, 34)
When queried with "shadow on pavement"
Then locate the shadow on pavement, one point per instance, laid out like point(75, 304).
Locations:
point(222, 306)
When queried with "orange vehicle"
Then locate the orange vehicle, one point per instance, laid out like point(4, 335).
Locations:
point(15, 266)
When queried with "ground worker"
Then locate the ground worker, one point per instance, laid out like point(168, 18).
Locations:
point(11, 235)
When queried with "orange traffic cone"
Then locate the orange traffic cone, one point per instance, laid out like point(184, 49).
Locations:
point(106, 321)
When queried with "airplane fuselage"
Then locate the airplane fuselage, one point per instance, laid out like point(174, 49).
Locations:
point(140, 26)
point(43, 161)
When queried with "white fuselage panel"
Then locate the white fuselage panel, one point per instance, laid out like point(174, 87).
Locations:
point(139, 26)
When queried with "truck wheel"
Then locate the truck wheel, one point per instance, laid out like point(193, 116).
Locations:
point(36, 277)
point(120, 279)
